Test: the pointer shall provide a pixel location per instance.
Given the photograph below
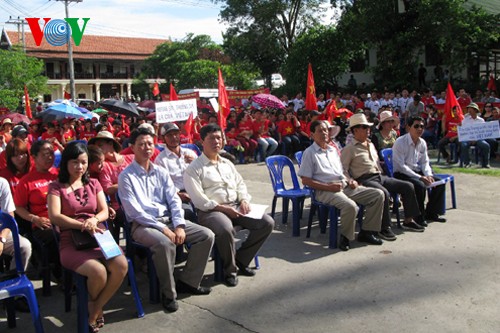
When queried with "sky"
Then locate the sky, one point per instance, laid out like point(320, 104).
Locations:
point(162, 19)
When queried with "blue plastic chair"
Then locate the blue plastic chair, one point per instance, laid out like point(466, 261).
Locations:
point(57, 158)
point(192, 146)
point(387, 155)
point(276, 166)
point(333, 214)
point(18, 284)
point(298, 157)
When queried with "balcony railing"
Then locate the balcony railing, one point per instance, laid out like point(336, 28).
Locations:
point(92, 76)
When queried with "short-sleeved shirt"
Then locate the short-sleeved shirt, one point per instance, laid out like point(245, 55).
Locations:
point(359, 159)
point(32, 190)
point(321, 164)
point(109, 176)
point(176, 165)
point(6, 202)
point(286, 128)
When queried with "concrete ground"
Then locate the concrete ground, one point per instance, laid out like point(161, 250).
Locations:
point(442, 280)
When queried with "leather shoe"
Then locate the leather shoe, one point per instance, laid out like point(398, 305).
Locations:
point(170, 305)
point(369, 237)
point(244, 270)
point(183, 287)
point(436, 218)
point(422, 222)
point(231, 281)
point(344, 243)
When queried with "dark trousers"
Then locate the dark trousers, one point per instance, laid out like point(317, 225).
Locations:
point(386, 185)
point(435, 204)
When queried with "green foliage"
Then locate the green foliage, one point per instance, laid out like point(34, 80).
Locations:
point(193, 62)
point(328, 53)
point(16, 70)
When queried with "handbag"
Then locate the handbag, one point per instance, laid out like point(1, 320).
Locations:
point(82, 239)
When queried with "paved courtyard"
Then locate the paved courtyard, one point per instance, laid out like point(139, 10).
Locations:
point(443, 280)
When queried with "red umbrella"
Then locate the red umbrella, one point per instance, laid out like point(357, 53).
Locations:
point(268, 100)
point(148, 104)
point(16, 118)
point(151, 116)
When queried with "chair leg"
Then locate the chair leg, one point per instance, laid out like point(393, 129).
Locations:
point(296, 217)
point(284, 213)
point(256, 261)
point(332, 243)
point(218, 265)
point(309, 222)
point(453, 196)
point(68, 286)
point(135, 291)
point(396, 209)
point(82, 303)
point(11, 312)
point(273, 207)
point(323, 218)
point(29, 293)
point(154, 289)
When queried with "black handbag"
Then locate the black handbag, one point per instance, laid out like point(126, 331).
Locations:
point(82, 239)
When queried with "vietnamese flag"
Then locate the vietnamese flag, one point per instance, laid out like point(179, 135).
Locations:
point(491, 84)
point(189, 126)
point(311, 102)
point(330, 111)
point(173, 94)
point(27, 107)
point(224, 108)
point(450, 103)
point(156, 89)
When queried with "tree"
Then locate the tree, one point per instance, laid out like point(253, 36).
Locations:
point(17, 70)
point(400, 35)
point(193, 62)
point(327, 51)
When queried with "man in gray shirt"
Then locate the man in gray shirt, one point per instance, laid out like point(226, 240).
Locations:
point(150, 202)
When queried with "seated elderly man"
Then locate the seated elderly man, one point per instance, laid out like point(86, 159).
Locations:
point(176, 159)
point(151, 204)
point(222, 200)
point(472, 118)
point(322, 170)
point(361, 160)
point(411, 163)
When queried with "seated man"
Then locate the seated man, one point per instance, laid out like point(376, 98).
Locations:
point(361, 160)
point(221, 198)
point(483, 145)
point(411, 163)
point(321, 170)
point(151, 204)
point(176, 159)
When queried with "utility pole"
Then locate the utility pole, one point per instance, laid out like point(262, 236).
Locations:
point(70, 55)
point(20, 26)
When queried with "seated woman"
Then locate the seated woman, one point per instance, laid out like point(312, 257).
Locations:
point(77, 202)
point(386, 135)
point(30, 198)
point(18, 165)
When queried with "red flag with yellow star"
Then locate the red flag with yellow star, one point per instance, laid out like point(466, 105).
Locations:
point(156, 89)
point(451, 107)
point(311, 102)
point(224, 108)
point(173, 94)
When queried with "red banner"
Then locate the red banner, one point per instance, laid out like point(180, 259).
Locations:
point(196, 95)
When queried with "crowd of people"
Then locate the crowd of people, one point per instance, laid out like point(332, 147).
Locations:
point(118, 170)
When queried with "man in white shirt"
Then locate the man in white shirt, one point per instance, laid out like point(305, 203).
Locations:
point(176, 159)
point(222, 201)
point(472, 118)
point(411, 163)
point(151, 204)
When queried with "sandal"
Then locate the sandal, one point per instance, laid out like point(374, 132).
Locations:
point(100, 322)
point(93, 328)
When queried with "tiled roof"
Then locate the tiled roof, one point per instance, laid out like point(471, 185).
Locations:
point(92, 47)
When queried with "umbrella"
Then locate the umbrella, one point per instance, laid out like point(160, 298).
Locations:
point(100, 111)
point(65, 101)
point(61, 111)
point(151, 116)
point(147, 104)
point(16, 118)
point(268, 100)
point(119, 106)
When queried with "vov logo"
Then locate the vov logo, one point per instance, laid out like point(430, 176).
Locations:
point(57, 32)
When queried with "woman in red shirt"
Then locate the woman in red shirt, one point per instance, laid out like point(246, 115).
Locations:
point(88, 130)
point(245, 131)
point(261, 133)
point(286, 131)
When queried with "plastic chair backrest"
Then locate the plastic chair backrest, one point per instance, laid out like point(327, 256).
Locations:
point(192, 146)
point(298, 157)
point(160, 147)
point(387, 155)
point(7, 221)
point(57, 158)
point(276, 165)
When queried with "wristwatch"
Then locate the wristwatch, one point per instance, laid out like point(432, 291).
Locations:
point(3, 240)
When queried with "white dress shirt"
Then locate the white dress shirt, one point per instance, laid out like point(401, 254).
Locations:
point(409, 158)
point(176, 165)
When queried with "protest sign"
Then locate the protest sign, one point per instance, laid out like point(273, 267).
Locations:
point(167, 112)
point(479, 131)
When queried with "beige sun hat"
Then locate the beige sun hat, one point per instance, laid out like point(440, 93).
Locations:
point(105, 135)
point(473, 106)
point(333, 129)
point(387, 116)
point(358, 119)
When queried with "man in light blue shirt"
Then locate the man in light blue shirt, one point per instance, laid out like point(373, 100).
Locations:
point(411, 163)
point(150, 202)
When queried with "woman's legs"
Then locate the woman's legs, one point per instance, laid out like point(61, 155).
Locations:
point(103, 280)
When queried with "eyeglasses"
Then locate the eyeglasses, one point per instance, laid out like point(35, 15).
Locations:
point(417, 126)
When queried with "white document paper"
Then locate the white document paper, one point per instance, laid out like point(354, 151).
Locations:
point(256, 211)
point(107, 244)
point(437, 182)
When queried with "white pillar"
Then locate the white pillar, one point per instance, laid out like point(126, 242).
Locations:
point(63, 89)
point(121, 90)
point(97, 92)
point(129, 90)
